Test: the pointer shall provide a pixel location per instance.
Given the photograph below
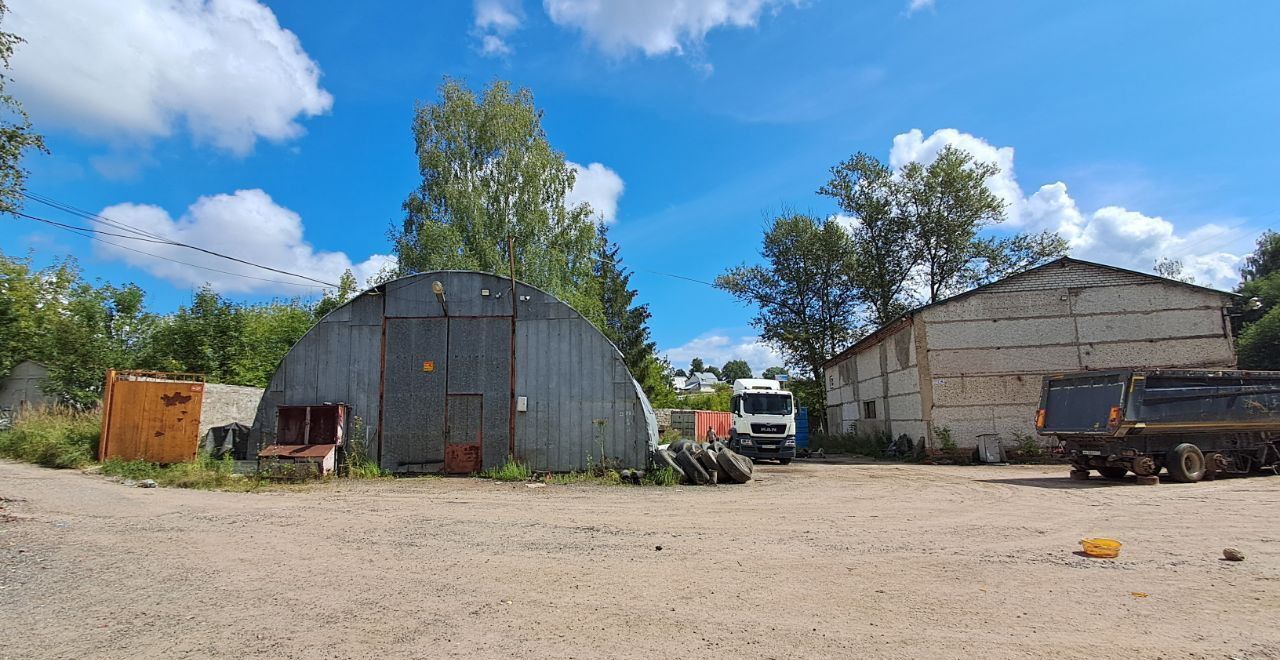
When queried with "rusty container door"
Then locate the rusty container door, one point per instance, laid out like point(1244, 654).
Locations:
point(465, 434)
point(151, 420)
point(413, 395)
point(480, 365)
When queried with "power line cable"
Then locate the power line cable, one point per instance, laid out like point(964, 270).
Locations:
point(156, 238)
point(90, 234)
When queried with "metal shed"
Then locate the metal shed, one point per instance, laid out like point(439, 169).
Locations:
point(20, 390)
point(457, 380)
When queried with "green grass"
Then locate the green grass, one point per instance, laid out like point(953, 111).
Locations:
point(203, 473)
point(512, 470)
point(663, 476)
point(55, 438)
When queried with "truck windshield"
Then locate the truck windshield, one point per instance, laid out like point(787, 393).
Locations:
point(766, 404)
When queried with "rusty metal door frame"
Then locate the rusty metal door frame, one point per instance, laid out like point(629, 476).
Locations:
point(463, 457)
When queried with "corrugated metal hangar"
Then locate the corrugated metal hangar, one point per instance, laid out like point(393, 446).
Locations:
point(453, 372)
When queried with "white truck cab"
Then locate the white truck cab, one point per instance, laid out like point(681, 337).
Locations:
point(764, 420)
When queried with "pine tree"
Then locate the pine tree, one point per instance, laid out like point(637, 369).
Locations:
point(625, 323)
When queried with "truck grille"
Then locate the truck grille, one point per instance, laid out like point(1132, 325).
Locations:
point(775, 429)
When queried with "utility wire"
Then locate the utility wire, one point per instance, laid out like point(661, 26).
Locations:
point(153, 238)
point(91, 235)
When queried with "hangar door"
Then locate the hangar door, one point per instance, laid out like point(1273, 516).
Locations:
point(446, 397)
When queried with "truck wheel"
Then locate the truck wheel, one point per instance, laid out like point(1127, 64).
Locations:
point(1185, 463)
point(1111, 472)
point(784, 461)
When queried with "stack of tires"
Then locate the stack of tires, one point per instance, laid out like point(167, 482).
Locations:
point(699, 464)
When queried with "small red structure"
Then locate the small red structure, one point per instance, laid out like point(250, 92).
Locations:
point(307, 441)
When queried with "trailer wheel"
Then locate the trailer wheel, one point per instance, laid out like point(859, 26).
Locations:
point(1185, 463)
point(1112, 472)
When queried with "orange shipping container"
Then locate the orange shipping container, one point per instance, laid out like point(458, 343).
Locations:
point(720, 422)
point(151, 416)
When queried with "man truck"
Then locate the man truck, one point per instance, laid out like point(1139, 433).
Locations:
point(764, 420)
point(1193, 423)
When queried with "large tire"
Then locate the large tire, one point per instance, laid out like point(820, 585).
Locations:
point(663, 458)
point(784, 461)
point(678, 446)
point(734, 467)
point(1112, 472)
point(707, 459)
point(693, 472)
point(1185, 463)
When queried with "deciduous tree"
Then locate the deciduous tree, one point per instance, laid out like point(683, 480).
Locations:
point(489, 174)
point(16, 134)
point(806, 291)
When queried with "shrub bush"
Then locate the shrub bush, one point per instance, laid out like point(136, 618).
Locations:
point(53, 437)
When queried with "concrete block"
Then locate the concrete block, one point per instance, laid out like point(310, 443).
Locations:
point(1000, 333)
point(1150, 325)
point(224, 404)
point(868, 362)
point(947, 364)
point(987, 390)
point(871, 387)
point(1142, 298)
point(914, 429)
point(967, 424)
point(905, 406)
point(1214, 352)
point(904, 382)
point(897, 349)
point(1011, 305)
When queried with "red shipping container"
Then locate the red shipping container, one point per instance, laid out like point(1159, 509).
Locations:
point(720, 422)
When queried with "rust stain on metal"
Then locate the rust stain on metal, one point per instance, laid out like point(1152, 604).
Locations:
point(146, 416)
point(296, 451)
point(462, 459)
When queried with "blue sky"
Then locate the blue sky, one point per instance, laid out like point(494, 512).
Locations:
point(280, 130)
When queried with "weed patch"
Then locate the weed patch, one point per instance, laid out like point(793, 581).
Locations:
point(56, 438)
point(512, 470)
point(203, 473)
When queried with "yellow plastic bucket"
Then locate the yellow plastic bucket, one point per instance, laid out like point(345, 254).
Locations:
point(1103, 548)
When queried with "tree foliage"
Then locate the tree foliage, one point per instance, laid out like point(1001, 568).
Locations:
point(735, 369)
point(773, 372)
point(920, 228)
point(1265, 260)
point(626, 323)
point(489, 175)
point(80, 329)
point(1258, 345)
point(16, 134)
point(806, 291)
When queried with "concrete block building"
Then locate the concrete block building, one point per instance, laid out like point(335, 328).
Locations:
point(973, 363)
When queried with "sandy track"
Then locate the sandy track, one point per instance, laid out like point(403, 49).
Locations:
point(810, 560)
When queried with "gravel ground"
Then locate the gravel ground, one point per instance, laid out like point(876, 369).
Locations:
point(809, 560)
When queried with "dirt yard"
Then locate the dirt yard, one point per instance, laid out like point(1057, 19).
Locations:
point(809, 560)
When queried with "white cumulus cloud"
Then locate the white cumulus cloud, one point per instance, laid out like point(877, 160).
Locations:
point(598, 186)
point(495, 21)
point(138, 69)
point(246, 224)
point(1113, 235)
point(914, 6)
point(717, 349)
point(654, 27)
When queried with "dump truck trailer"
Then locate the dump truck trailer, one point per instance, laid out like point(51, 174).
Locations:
point(1193, 423)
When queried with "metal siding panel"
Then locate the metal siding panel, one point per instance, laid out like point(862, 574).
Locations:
point(480, 363)
point(413, 400)
point(364, 374)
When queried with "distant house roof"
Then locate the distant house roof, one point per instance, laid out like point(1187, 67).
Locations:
point(896, 324)
point(705, 377)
